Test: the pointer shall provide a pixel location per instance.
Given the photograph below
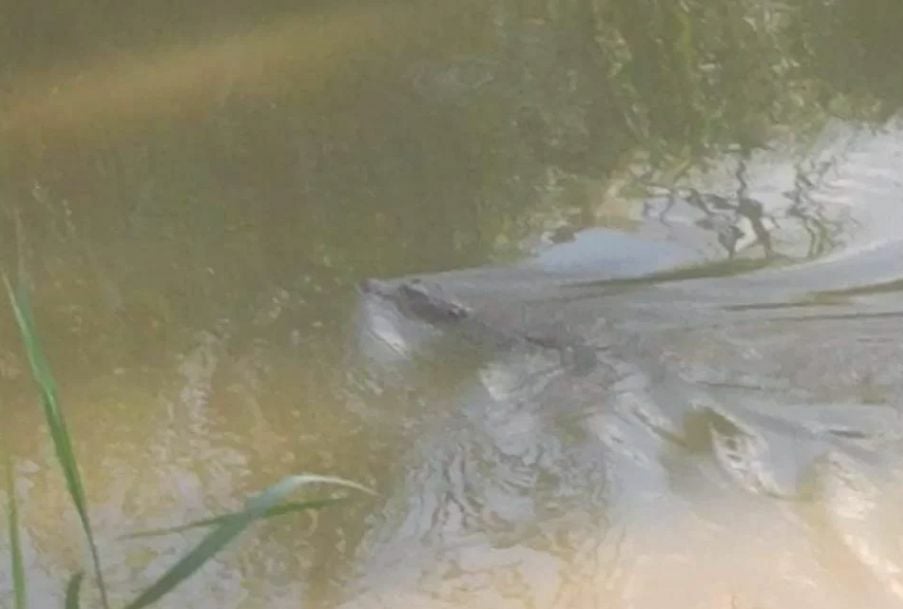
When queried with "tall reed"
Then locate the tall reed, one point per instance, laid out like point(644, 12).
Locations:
point(273, 501)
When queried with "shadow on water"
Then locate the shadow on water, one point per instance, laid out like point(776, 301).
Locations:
point(668, 378)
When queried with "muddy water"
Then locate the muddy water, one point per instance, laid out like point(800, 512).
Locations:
point(671, 378)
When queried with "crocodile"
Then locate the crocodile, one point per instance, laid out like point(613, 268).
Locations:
point(741, 423)
point(714, 401)
point(427, 302)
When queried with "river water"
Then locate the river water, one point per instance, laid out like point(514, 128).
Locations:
point(652, 356)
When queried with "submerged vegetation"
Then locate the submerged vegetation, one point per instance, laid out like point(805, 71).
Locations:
point(273, 501)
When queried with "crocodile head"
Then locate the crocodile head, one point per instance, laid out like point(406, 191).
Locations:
point(418, 299)
point(398, 318)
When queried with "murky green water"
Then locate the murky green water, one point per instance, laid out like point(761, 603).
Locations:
point(194, 194)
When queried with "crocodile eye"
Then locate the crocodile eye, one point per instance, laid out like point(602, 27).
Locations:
point(414, 288)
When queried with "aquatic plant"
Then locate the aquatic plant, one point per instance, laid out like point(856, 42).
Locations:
point(273, 501)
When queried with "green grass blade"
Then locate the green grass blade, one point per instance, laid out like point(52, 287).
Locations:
point(231, 527)
point(15, 541)
point(285, 508)
point(73, 591)
point(56, 423)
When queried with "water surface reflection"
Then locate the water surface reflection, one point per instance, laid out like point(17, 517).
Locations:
point(674, 384)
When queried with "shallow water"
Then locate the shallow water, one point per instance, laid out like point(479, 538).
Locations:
point(670, 375)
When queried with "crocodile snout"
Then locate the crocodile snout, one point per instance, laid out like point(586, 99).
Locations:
point(374, 286)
